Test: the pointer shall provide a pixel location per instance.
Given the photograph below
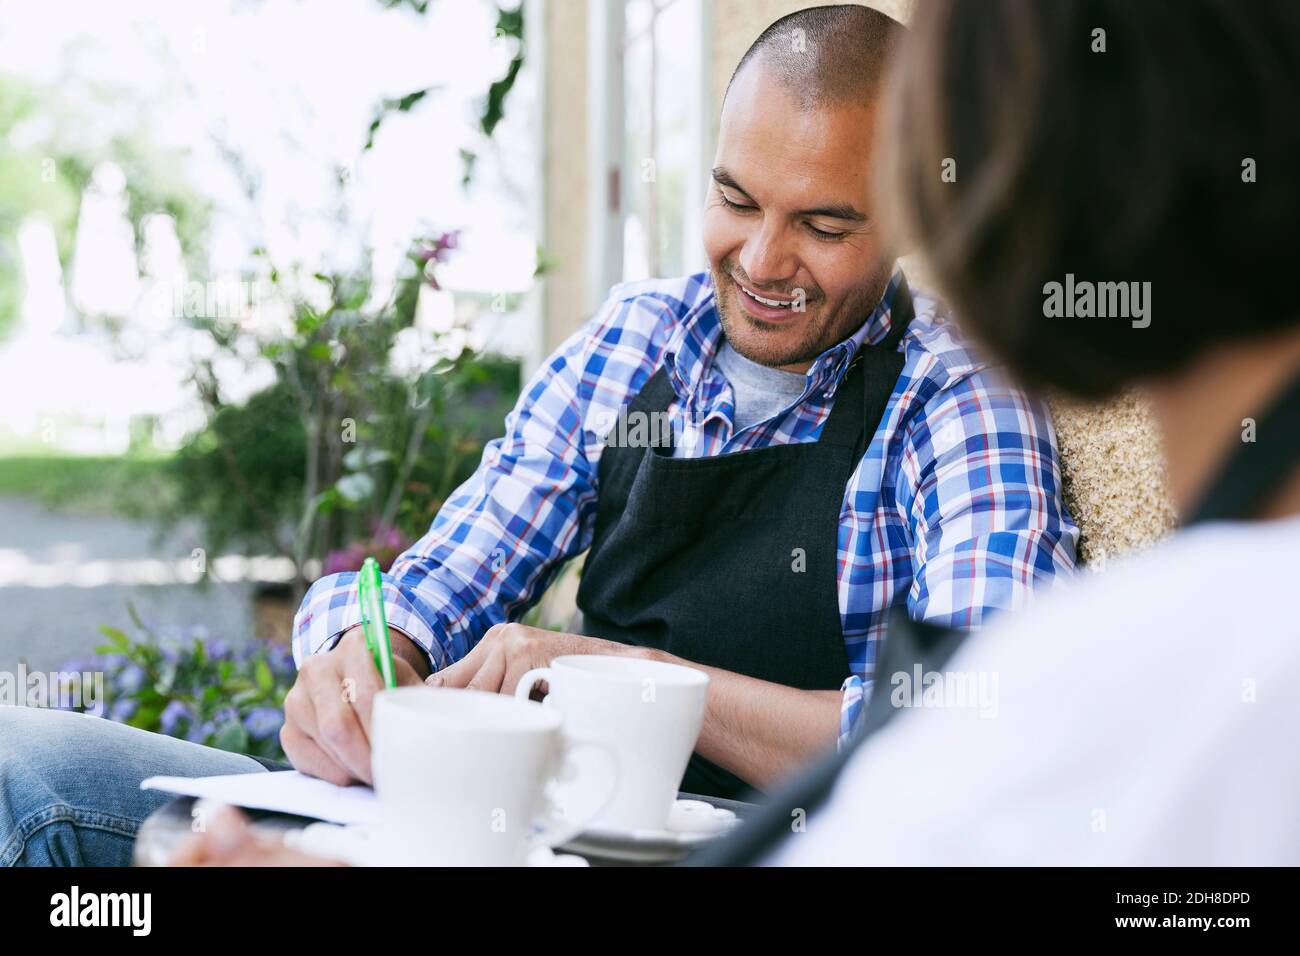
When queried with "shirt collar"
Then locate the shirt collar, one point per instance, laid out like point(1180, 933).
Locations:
point(692, 346)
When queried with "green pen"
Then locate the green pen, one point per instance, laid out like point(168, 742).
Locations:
point(370, 590)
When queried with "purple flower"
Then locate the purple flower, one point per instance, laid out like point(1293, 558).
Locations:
point(385, 543)
point(129, 679)
point(172, 715)
point(280, 660)
point(201, 731)
point(263, 722)
point(346, 559)
point(66, 690)
point(122, 710)
point(447, 242)
point(77, 664)
point(440, 247)
point(219, 649)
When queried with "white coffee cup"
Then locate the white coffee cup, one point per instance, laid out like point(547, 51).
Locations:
point(649, 712)
point(462, 777)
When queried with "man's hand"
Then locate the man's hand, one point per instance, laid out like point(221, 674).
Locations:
point(508, 651)
point(326, 730)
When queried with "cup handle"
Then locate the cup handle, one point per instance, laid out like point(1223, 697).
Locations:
point(526, 683)
point(557, 830)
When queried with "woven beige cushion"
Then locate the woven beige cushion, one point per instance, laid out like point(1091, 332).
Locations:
point(1113, 476)
point(1112, 466)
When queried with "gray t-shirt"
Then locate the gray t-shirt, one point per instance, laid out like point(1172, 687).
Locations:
point(760, 391)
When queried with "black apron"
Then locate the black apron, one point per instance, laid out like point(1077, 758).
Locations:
point(731, 561)
point(1253, 472)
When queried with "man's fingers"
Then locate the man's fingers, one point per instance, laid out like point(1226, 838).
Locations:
point(360, 683)
point(458, 674)
point(338, 730)
point(514, 674)
point(489, 676)
point(307, 757)
point(463, 671)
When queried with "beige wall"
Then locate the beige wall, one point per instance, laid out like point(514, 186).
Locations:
point(564, 169)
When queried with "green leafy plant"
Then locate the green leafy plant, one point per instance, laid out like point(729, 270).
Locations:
point(242, 473)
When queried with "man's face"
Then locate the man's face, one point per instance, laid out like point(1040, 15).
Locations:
point(788, 218)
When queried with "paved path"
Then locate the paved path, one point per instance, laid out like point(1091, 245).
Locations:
point(87, 568)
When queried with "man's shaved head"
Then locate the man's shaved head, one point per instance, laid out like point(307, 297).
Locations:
point(797, 259)
point(827, 56)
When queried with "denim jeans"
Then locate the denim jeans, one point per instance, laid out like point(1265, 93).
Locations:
point(70, 785)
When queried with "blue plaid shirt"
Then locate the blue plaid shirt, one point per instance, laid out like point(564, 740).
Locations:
point(969, 521)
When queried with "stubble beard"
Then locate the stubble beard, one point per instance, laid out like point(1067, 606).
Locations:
point(821, 332)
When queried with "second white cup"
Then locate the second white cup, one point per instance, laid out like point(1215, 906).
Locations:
point(648, 712)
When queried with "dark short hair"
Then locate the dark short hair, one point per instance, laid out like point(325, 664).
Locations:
point(1123, 165)
point(827, 55)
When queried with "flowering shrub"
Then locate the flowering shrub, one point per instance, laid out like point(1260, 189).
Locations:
point(202, 689)
point(385, 545)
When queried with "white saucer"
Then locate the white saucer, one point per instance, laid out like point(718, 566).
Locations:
point(691, 823)
point(357, 846)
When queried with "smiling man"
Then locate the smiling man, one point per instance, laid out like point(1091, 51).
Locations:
point(835, 451)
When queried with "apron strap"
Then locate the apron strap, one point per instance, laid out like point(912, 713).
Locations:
point(656, 394)
point(877, 367)
point(1256, 470)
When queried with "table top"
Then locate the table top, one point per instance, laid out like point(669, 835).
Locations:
point(163, 830)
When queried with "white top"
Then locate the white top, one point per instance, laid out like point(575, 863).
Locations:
point(1148, 715)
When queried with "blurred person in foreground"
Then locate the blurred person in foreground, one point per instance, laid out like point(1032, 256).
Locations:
point(1146, 715)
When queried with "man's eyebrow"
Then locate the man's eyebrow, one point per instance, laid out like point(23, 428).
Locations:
point(840, 210)
point(724, 178)
point(843, 211)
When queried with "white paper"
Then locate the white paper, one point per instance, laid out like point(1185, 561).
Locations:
point(287, 791)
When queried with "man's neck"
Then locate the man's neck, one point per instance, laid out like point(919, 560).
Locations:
point(1201, 409)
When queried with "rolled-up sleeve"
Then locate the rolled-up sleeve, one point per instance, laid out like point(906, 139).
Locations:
point(853, 697)
point(331, 607)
